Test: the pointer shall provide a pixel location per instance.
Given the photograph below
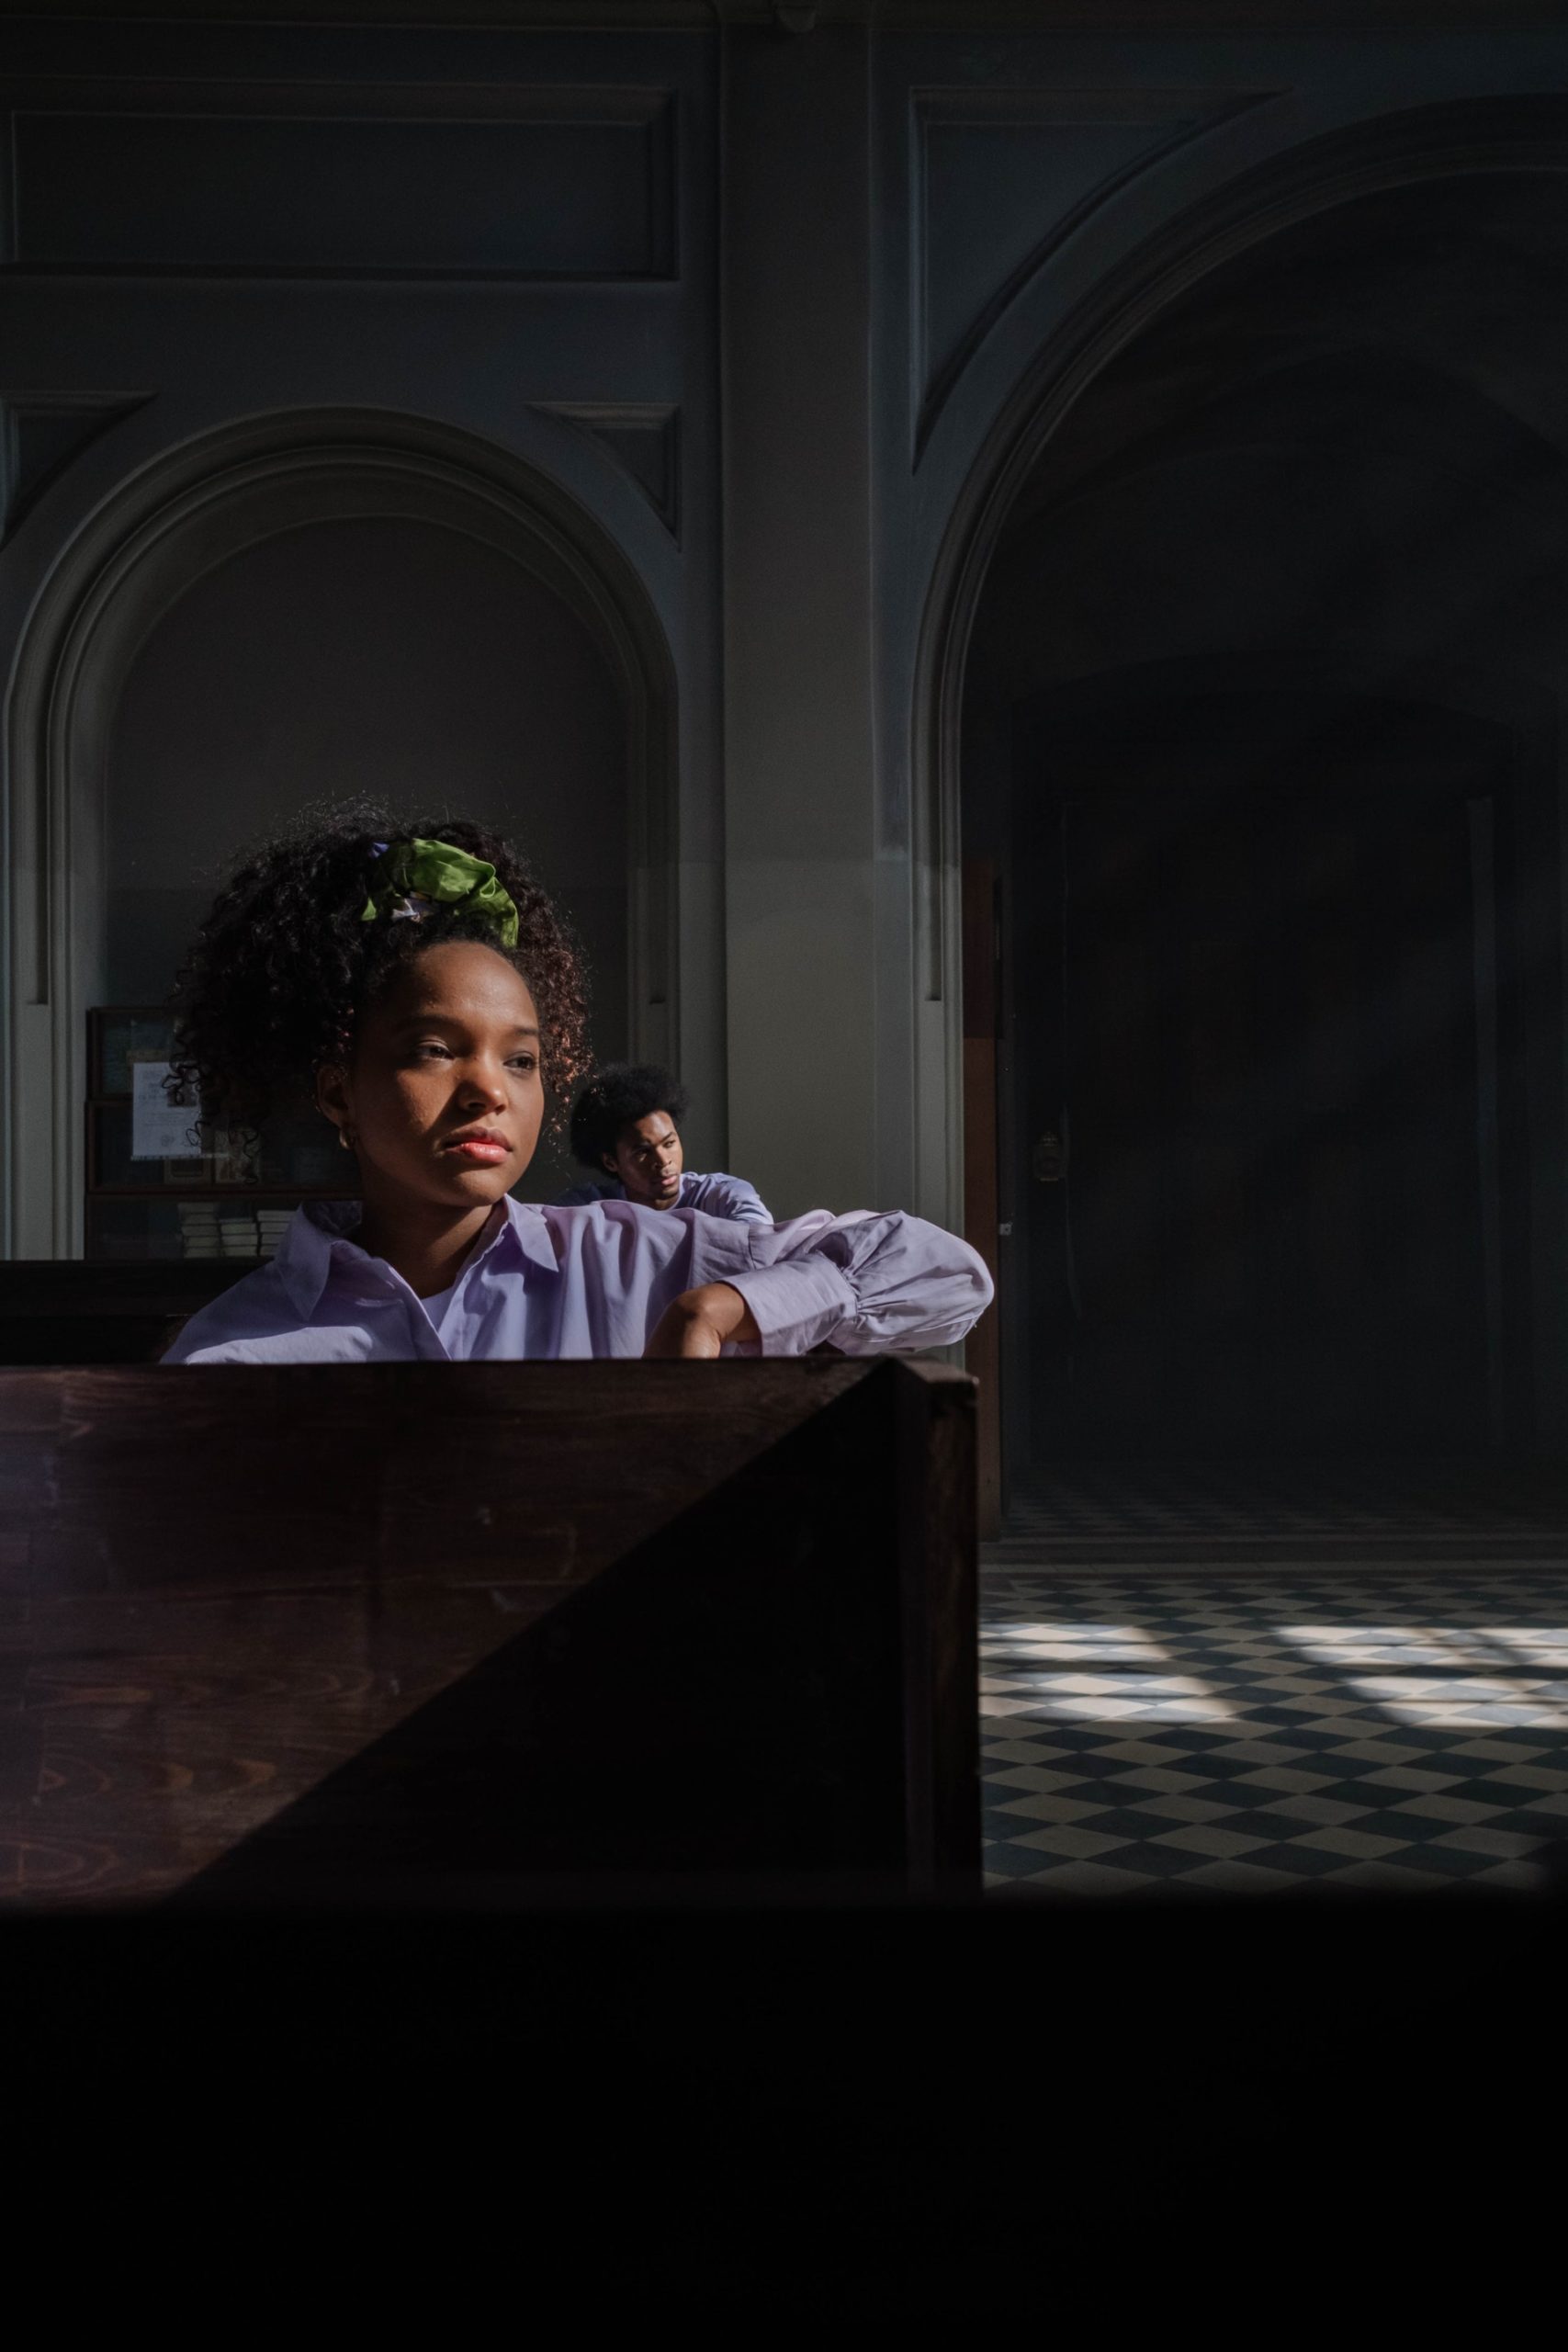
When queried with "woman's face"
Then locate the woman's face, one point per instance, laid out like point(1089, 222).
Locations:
point(443, 1099)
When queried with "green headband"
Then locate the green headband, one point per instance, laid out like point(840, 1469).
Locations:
point(410, 878)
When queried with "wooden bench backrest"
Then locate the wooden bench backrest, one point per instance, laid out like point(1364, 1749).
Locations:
point(271, 1627)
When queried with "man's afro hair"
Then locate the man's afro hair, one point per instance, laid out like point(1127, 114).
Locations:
point(620, 1095)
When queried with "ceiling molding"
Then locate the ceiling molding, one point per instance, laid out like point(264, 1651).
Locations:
point(1183, 18)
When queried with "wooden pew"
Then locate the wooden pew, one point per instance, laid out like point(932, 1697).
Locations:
point(422, 1634)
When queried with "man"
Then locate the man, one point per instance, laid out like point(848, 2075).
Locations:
point(625, 1126)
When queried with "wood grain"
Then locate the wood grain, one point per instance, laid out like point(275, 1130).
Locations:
point(269, 1631)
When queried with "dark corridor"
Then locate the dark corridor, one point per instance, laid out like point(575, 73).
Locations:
point(1267, 1122)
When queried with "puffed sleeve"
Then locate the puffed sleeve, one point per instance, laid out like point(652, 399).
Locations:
point(860, 1283)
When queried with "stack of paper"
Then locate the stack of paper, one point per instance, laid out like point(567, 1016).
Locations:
point(237, 1234)
point(198, 1229)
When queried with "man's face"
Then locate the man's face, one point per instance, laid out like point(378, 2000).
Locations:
point(649, 1160)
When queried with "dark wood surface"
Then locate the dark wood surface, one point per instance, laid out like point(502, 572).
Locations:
point(375, 1631)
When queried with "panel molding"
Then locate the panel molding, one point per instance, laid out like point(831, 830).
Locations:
point(958, 295)
point(258, 145)
point(642, 439)
point(43, 433)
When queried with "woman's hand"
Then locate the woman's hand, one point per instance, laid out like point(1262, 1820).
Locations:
point(700, 1321)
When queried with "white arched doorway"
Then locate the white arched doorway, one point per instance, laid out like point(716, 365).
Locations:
point(1425, 145)
point(306, 497)
point(1070, 403)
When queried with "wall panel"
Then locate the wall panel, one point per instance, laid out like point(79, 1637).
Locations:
point(567, 183)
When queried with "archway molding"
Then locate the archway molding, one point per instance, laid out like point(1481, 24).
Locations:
point(1436, 142)
point(135, 558)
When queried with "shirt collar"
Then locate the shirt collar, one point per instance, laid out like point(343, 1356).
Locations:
point(319, 1240)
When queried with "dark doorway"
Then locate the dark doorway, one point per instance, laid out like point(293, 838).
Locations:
point(1268, 1165)
point(1261, 739)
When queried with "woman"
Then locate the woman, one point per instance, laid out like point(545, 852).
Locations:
point(418, 979)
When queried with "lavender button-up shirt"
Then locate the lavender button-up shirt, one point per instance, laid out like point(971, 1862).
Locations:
point(717, 1195)
point(550, 1283)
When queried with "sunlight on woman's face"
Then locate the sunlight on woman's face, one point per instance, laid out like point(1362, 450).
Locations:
point(443, 1099)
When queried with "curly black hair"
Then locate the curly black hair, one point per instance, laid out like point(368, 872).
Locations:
point(282, 968)
point(621, 1093)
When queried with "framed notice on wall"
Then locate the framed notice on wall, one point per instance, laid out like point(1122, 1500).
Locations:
point(163, 1126)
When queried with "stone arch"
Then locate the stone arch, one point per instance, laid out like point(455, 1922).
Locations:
point(142, 550)
point(1424, 145)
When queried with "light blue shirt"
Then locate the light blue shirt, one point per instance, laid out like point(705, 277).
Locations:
point(714, 1195)
point(552, 1282)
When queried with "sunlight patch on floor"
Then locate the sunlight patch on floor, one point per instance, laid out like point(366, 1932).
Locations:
point(1448, 1676)
point(1071, 1671)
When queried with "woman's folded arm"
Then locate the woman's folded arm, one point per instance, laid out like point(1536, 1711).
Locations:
point(859, 1284)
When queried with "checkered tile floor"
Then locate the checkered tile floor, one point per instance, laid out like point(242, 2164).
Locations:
point(1166, 1510)
point(1265, 1730)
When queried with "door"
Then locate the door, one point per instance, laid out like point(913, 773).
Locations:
point(1257, 1119)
